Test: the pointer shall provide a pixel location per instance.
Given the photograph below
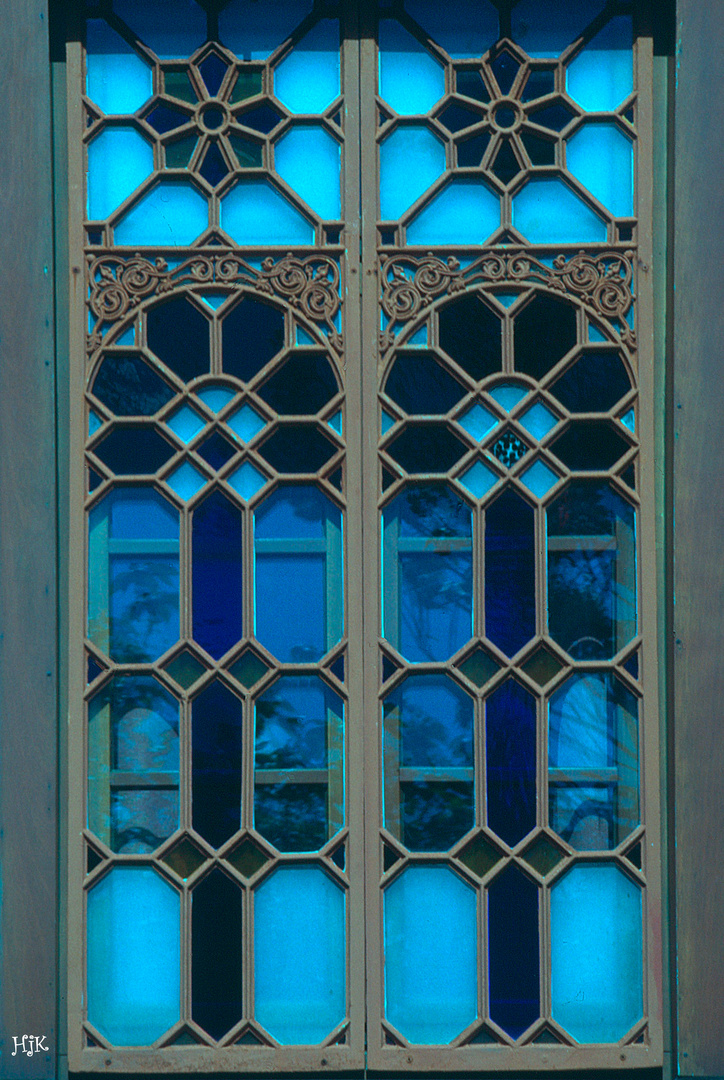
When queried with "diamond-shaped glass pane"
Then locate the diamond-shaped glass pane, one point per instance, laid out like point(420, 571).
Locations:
point(247, 858)
point(216, 450)
point(508, 395)
point(184, 858)
point(186, 481)
point(247, 480)
point(478, 422)
point(543, 855)
point(248, 669)
point(505, 68)
point(538, 420)
point(246, 423)
point(480, 855)
point(185, 423)
point(185, 669)
point(539, 478)
point(509, 449)
point(213, 168)
point(479, 666)
point(215, 396)
point(212, 70)
point(478, 479)
point(542, 665)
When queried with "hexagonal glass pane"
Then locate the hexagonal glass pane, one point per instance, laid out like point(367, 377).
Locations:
point(303, 384)
point(471, 334)
point(509, 572)
point(307, 79)
point(411, 159)
point(418, 383)
point(117, 80)
point(252, 333)
point(464, 212)
point(544, 331)
point(601, 157)
point(172, 214)
point(310, 159)
point(513, 951)
point(216, 954)
point(178, 334)
point(216, 735)
point(216, 561)
point(547, 211)
point(254, 212)
point(129, 386)
point(411, 80)
point(119, 159)
point(510, 729)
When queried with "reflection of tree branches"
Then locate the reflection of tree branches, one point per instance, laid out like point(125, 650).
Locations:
point(288, 739)
point(144, 608)
point(436, 593)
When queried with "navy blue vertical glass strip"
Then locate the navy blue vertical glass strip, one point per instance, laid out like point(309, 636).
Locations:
point(217, 575)
point(216, 973)
point(511, 761)
point(216, 726)
point(509, 572)
point(513, 955)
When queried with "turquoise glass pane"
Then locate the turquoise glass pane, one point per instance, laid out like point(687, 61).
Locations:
point(508, 395)
point(214, 300)
point(307, 79)
point(539, 420)
point(547, 29)
point(411, 159)
point(256, 213)
point(299, 955)
point(133, 575)
point(128, 337)
point(596, 953)
point(175, 36)
point(309, 159)
point(419, 337)
point(465, 28)
point(94, 422)
point(548, 212)
point(478, 422)
point(186, 481)
point(302, 337)
point(246, 28)
point(133, 956)
point(335, 422)
point(411, 81)
point(506, 299)
point(629, 420)
point(386, 422)
point(594, 334)
point(601, 157)
point(119, 159)
point(539, 478)
point(247, 480)
point(431, 933)
point(464, 212)
point(478, 479)
point(246, 423)
point(117, 80)
point(185, 423)
point(601, 76)
point(215, 396)
point(173, 214)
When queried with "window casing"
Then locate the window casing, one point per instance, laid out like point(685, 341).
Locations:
point(374, 649)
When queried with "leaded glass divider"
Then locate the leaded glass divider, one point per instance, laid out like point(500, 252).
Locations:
point(217, 826)
point(513, 918)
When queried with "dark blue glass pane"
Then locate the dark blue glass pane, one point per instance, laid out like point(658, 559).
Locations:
point(513, 958)
point(547, 29)
point(178, 334)
point(594, 383)
point(419, 384)
point(213, 168)
point(298, 546)
point(216, 951)
point(544, 332)
point(590, 445)
point(505, 68)
point(129, 387)
point(217, 576)
point(212, 70)
point(216, 722)
point(510, 726)
point(427, 573)
point(133, 450)
point(297, 448)
point(427, 448)
point(302, 385)
point(252, 333)
point(471, 334)
point(539, 83)
point(509, 572)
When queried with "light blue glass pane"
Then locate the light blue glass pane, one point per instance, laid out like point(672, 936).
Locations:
point(548, 212)
point(595, 334)
point(601, 157)
point(629, 420)
point(547, 29)
point(174, 213)
point(601, 76)
point(246, 423)
point(507, 299)
point(215, 396)
point(478, 479)
point(465, 212)
point(579, 724)
point(300, 952)
point(214, 300)
point(119, 159)
point(411, 81)
point(133, 956)
point(508, 395)
point(465, 28)
point(539, 420)
point(387, 422)
point(431, 933)
point(307, 79)
point(169, 35)
point(309, 159)
point(186, 423)
point(117, 80)
point(539, 478)
point(128, 337)
point(246, 28)
point(419, 337)
point(596, 953)
point(186, 481)
point(411, 159)
point(335, 422)
point(255, 213)
point(247, 480)
point(303, 338)
point(94, 422)
point(478, 421)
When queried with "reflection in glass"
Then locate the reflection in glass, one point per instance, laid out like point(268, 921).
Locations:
point(431, 941)
point(216, 976)
point(427, 573)
point(133, 762)
point(593, 761)
point(298, 764)
point(510, 733)
point(133, 957)
point(300, 954)
point(129, 386)
point(216, 722)
point(591, 570)
point(509, 572)
point(299, 608)
point(133, 575)
point(216, 574)
point(513, 960)
point(429, 769)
